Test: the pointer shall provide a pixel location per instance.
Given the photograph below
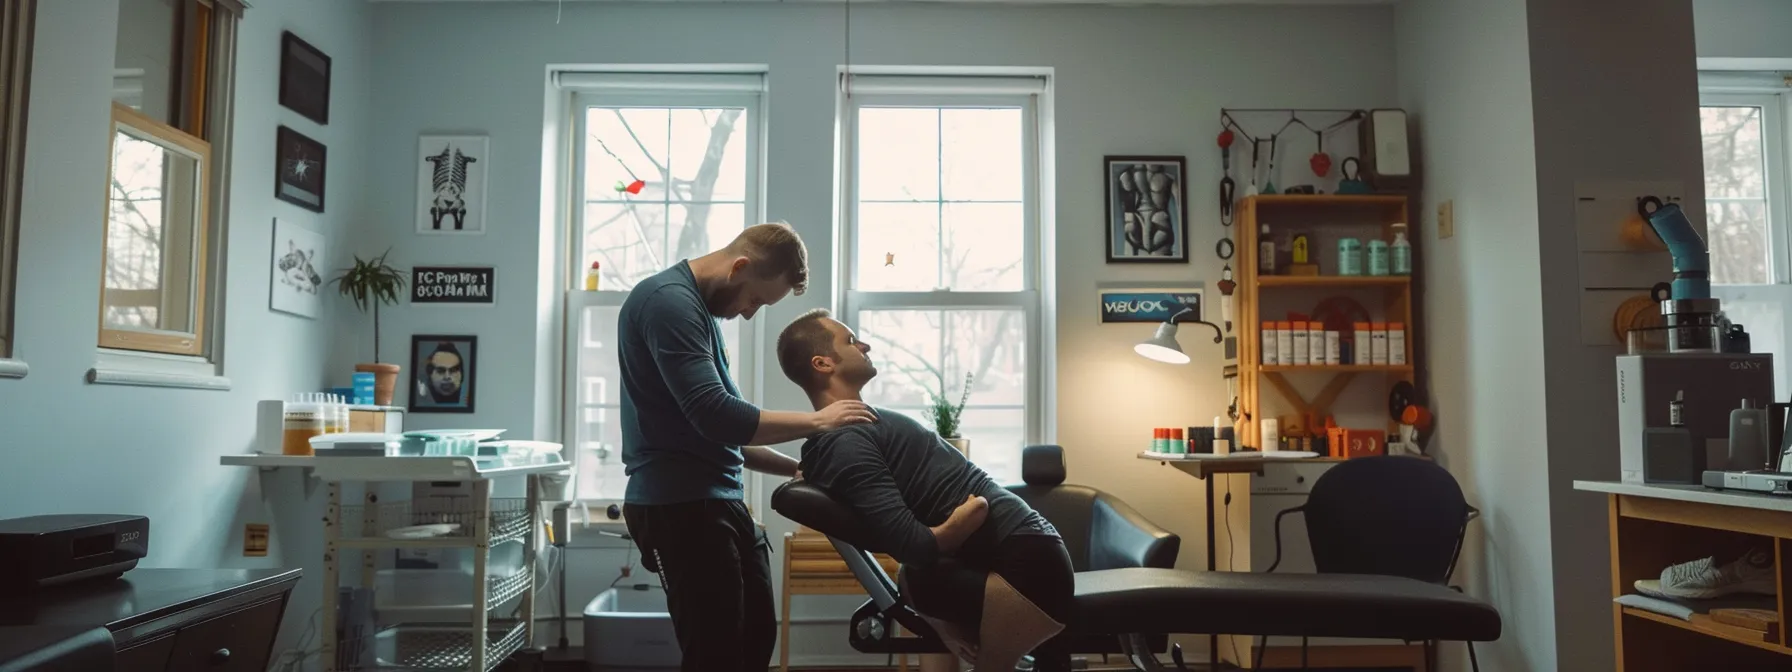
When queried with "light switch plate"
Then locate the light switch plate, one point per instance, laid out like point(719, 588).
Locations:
point(1446, 219)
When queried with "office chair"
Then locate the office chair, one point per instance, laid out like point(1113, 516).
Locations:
point(1385, 515)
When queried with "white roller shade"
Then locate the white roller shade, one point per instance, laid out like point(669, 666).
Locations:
point(969, 85)
point(1743, 81)
point(753, 82)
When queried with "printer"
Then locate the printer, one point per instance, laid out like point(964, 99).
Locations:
point(38, 552)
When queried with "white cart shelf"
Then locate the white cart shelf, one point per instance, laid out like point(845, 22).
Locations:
point(352, 530)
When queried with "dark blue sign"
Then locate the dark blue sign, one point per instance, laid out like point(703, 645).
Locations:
point(1149, 306)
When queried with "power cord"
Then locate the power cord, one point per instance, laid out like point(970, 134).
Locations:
point(291, 659)
point(1231, 556)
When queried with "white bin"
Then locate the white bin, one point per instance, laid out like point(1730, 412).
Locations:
point(628, 629)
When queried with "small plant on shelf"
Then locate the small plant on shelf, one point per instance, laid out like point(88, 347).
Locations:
point(944, 413)
point(371, 282)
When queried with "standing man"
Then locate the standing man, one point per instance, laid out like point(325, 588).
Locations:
point(683, 428)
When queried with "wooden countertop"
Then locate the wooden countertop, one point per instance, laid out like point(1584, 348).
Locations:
point(1689, 493)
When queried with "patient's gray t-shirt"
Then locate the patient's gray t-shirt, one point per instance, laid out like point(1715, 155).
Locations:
point(902, 478)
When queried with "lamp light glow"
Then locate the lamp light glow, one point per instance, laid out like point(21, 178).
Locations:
point(1162, 346)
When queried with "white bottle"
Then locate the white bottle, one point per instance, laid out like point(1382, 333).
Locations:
point(1272, 435)
point(1284, 343)
point(1333, 341)
point(1266, 251)
point(1359, 346)
point(1271, 351)
point(1396, 343)
point(1316, 342)
point(1303, 349)
point(1378, 344)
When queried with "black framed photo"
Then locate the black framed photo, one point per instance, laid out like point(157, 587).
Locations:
point(1147, 209)
point(442, 373)
point(299, 164)
point(304, 79)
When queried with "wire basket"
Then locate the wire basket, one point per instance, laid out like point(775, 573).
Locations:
point(429, 648)
point(455, 517)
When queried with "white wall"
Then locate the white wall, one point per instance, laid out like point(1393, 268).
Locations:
point(1465, 75)
point(1128, 80)
point(1609, 106)
point(1744, 32)
point(154, 451)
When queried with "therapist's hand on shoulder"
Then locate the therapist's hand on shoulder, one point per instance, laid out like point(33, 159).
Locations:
point(843, 413)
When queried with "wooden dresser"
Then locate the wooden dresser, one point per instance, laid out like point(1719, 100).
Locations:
point(173, 620)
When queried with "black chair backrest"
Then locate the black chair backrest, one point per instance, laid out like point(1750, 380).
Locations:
point(1070, 508)
point(1387, 515)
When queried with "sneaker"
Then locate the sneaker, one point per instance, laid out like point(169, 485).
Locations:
point(1703, 579)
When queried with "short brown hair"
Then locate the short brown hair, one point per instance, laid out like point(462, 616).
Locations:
point(774, 250)
point(800, 342)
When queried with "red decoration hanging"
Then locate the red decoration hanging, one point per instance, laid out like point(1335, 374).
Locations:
point(635, 186)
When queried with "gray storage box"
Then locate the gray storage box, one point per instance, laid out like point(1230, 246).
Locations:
point(1714, 384)
point(628, 629)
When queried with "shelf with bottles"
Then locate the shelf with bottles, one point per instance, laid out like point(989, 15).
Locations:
point(1301, 345)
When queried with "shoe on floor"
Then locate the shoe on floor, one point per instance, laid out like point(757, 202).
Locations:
point(1704, 579)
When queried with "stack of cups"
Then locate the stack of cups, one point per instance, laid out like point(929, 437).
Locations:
point(1168, 441)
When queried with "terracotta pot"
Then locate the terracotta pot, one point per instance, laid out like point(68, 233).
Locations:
point(385, 380)
point(963, 445)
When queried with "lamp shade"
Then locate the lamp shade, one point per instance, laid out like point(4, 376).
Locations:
point(1163, 346)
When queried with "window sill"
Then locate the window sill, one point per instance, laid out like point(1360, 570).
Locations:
point(114, 367)
point(13, 368)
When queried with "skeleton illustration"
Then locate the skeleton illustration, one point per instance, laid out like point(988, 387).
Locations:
point(450, 184)
point(297, 271)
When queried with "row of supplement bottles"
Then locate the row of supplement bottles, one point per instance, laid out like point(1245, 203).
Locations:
point(309, 415)
point(1278, 255)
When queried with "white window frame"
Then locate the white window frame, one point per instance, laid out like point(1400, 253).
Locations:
point(655, 90)
point(15, 61)
point(949, 91)
point(1770, 92)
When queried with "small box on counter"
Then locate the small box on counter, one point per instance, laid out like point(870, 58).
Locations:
point(1346, 443)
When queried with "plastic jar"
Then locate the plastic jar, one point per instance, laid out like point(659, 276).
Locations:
point(303, 419)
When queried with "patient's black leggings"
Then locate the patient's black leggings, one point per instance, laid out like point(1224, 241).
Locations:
point(1037, 565)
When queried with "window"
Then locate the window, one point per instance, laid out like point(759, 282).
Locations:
point(1742, 128)
point(941, 244)
point(173, 85)
point(16, 24)
point(665, 169)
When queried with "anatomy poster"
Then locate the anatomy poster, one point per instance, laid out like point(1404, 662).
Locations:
point(451, 184)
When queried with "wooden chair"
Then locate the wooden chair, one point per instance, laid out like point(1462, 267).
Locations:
point(813, 567)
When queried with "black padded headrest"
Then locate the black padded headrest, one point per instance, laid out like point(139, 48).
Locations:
point(813, 507)
point(1042, 465)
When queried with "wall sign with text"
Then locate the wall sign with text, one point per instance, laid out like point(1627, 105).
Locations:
point(453, 284)
point(1149, 305)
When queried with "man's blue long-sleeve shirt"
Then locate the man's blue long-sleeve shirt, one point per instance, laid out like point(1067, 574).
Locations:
point(683, 420)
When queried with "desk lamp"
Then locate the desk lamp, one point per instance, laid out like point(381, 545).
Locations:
point(1163, 347)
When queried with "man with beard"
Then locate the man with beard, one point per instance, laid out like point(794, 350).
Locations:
point(924, 503)
point(684, 426)
point(443, 375)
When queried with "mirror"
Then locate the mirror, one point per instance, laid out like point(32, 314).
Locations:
point(153, 289)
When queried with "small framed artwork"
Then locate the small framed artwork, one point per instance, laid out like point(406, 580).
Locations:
point(296, 287)
point(442, 371)
point(453, 285)
point(451, 184)
point(1147, 209)
point(299, 164)
point(304, 79)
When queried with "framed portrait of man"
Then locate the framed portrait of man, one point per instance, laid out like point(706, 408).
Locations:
point(442, 373)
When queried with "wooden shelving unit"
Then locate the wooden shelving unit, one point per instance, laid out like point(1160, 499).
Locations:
point(1391, 295)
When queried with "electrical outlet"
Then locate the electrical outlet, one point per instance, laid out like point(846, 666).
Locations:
point(1446, 219)
point(255, 540)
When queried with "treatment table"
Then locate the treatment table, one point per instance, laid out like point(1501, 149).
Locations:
point(1134, 604)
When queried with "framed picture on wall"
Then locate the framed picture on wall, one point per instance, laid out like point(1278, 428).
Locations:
point(442, 372)
point(304, 79)
point(296, 287)
point(299, 170)
point(1147, 209)
point(451, 184)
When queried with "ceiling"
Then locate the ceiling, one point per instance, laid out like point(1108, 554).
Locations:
point(1030, 2)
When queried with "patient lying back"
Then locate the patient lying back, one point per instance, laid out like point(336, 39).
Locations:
point(905, 482)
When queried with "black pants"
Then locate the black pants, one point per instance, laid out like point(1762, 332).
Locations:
point(1038, 566)
point(716, 567)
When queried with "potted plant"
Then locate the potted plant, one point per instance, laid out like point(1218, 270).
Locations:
point(371, 282)
point(946, 415)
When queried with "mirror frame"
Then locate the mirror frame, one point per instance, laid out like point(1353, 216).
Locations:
point(171, 139)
